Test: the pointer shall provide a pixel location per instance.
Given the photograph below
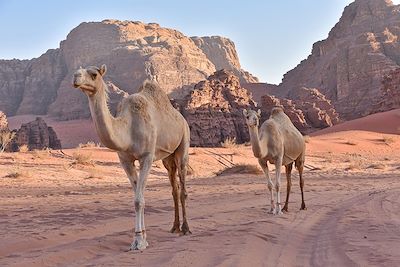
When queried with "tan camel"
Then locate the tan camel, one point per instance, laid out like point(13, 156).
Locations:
point(146, 128)
point(279, 142)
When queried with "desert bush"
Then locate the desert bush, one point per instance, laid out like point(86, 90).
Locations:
point(240, 168)
point(387, 140)
point(5, 138)
point(229, 142)
point(377, 166)
point(24, 148)
point(82, 159)
point(350, 142)
point(307, 139)
point(89, 144)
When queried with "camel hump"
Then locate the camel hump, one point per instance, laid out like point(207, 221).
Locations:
point(152, 91)
point(276, 110)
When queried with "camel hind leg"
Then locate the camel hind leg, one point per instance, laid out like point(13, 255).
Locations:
point(169, 164)
point(288, 169)
point(300, 167)
point(181, 161)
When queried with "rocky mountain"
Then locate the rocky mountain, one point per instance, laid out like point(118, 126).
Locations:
point(390, 92)
point(214, 110)
point(133, 52)
point(349, 65)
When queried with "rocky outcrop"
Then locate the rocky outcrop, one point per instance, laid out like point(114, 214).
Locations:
point(348, 66)
point(390, 92)
point(214, 110)
point(37, 135)
point(133, 52)
point(222, 53)
point(308, 109)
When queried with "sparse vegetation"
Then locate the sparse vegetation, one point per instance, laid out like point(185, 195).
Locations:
point(229, 142)
point(82, 159)
point(89, 144)
point(378, 166)
point(387, 140)
point(307, 139)
point(240, 168)
point(5, 138)
point(24, 148)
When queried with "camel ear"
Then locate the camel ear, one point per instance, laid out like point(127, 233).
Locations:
point(259, 113)
point(245, 112)
point(103, 69)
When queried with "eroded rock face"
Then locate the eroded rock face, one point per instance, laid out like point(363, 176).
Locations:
point(390, 92)
point(133, 52)
point(222, 53)
point(348, 66)
point(214, 110)
point(37, 135)
point(308, 109)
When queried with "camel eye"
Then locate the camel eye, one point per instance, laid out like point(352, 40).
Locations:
point(93, 75)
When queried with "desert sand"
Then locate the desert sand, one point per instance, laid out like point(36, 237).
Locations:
point(75, 208)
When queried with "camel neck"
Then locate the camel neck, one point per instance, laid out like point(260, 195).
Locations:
point(104, 121)
point(255, 142)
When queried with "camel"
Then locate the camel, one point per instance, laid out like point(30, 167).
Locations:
point(146, 128)
point(277, 142)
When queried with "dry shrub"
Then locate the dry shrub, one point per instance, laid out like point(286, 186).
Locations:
point(229, 142)
point(24, 148)
point(17, 173)
point(93, 173)
point(82, 159)
point(241, 169)
point(387, 140)
point(5, 138)
point(191, 171)
point(89, 144)
point(377, 166)
point(307, 139)
point(354, 166)
point(41, 154)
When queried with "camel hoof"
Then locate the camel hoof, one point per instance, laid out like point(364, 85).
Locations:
point(139, 244)
point(285, 209)
point(185, 229)
point(278, 212)
point(271, 211)
point(303, 206)
point(175, 229)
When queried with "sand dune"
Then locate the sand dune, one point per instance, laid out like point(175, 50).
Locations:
point(57, 213)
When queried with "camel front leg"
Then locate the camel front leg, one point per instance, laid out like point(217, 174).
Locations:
point(140, 241)
point(264, 166)
point(278, 166)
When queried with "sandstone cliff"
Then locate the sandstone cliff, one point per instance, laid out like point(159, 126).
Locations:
point(348, 66)
point(133, 51)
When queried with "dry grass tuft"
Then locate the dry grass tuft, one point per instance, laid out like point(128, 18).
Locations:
point(41, 154)
point(387, 140)
point(240, 168)
point(82, 159)
point(90, 144)
point(229, 142)
point(307, 139)
point(24, 148)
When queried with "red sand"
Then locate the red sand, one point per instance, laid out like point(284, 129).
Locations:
point(55, 213)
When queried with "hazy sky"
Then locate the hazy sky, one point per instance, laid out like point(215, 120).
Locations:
point(271, 36)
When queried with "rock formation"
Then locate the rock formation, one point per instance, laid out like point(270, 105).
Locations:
point(390, 92)
point(348, 66)
point(214, 110)
point(308, 109)
point(37, 135)
point(222, 53)
point(133, 52)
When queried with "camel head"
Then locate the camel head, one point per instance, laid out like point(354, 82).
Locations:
point(252, 117)
point(89, 80)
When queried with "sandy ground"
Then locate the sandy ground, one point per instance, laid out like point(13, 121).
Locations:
point(55, 211)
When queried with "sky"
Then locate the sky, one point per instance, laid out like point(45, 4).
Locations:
point(271, 36)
